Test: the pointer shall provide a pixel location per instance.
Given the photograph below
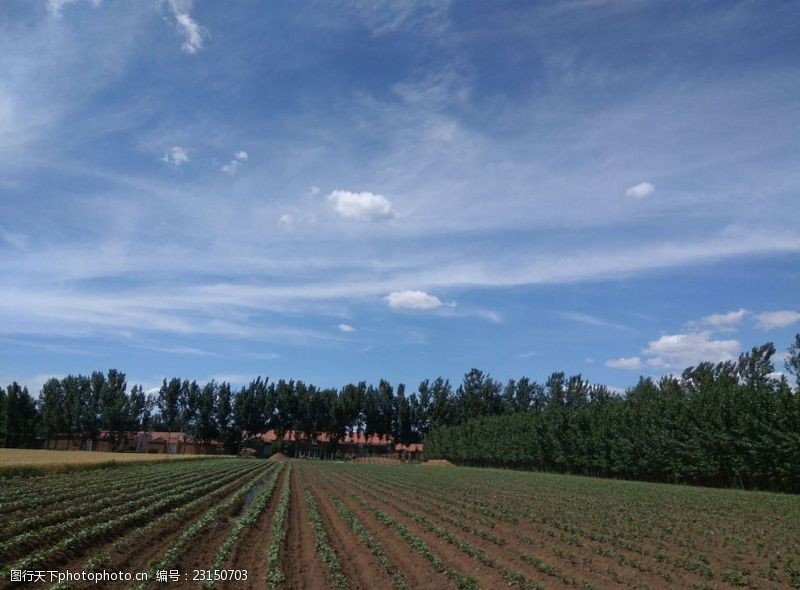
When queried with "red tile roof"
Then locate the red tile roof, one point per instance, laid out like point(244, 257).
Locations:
point(324, 437)
point(412, 448)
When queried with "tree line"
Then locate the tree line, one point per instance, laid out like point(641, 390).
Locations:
point(80, 407)
point(731, 423)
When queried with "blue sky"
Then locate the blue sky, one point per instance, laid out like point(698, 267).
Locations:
point(338, 191)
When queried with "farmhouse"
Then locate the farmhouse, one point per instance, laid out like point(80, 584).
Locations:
point(350, 446)
point(172, 443)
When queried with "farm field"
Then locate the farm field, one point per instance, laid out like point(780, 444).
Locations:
point(309, 524)
point(55, 460)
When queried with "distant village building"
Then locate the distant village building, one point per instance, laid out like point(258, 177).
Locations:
point(349, 446)
point(170, 443)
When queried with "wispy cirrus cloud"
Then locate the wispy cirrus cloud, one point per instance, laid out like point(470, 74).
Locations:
point(585, 318)
point(722, 322)
point(191, 31)
point(497, 164)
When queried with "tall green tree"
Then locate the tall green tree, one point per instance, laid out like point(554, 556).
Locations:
point(53, 409)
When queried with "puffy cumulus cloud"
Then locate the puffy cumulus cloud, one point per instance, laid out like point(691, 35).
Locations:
point(683, 350)
point(192, 32)
point(724, 322)
point(176, 156)
point(640, 191)
point(346, 328)
point(364, 206)
point(630, 363)
point(412, 300)
point(232, 166)
point(770, 320)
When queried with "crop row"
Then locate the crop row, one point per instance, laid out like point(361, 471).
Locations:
point(133, 500)
point(604, 573)
point(176, 516)
point(398, 581)
point(178, 544)
point(105, 558)
point(275, 575)
point(557, 524)
point(248, 519)
point(565, 533)
point(322, 543)
point(417, 544)
point(35, 492)
point(512, 577)
point(425, 503)
point(128, 517)
point(98, 501)
point(569, 535)
point(583, 523)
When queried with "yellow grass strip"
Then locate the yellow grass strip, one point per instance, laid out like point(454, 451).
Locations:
point(36, 462)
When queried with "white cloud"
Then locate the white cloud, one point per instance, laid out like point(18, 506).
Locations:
point(629, 363)
point(591, 320)
point(412, 300)
point(346, 328)
point(770, 320)
point(286, 220)
point(54, 6)
point(364, 206)
point(192, 32)
point(640, 191)
point(176, 156)
point(684, 350)
point(724, 322)
point(232, 166)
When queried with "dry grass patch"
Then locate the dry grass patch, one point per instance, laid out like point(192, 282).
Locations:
point(33, 462)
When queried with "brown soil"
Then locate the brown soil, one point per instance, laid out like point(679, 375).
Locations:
point(485, 576)
point(277, 457)
point(362, 570)
point(250, 551)
point(145, 551)
point(417, 572)
point(301, 563)
point(438, 463)
point(545, 543)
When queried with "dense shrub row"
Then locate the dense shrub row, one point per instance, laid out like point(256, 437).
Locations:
point(730, 424)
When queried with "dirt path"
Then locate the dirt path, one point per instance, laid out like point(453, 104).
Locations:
point(301, 564)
